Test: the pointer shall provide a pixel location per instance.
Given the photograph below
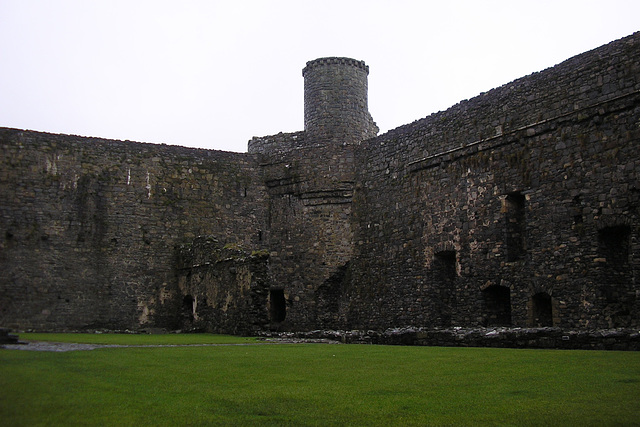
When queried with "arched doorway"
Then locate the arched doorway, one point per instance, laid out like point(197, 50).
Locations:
point(541, 310)
point(444, 269)
point(497, 306)
point(277, 305)
point(188, 308)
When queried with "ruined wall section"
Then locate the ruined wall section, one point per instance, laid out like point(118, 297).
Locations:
point(224, 289)
point(90, 226)
point(517, 207)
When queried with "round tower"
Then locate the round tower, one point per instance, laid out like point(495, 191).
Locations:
point(335, 100)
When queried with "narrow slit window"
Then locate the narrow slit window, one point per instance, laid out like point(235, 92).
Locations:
point(516, 226)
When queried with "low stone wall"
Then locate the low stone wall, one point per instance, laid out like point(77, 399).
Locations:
point(551, 338)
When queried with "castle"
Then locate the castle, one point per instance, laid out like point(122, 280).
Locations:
point(518, 207)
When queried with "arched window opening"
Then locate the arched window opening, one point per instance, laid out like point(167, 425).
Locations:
point(277, 305)
point(497, 306)
point(541, 310)
point(444, 265)
point(613, 245)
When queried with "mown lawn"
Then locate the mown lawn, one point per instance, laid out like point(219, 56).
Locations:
point(319, 384)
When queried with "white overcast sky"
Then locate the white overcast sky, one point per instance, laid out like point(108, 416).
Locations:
point(213, 74)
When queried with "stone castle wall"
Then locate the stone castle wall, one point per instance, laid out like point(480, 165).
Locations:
point(518, 204)
point(518, 207)
point(90, 227)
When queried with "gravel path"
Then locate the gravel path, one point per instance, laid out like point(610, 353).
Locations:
point(63, 346)
point(54, 346)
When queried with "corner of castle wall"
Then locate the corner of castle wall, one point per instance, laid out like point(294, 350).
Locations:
point(279, 143)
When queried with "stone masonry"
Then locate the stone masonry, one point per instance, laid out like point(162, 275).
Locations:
point(517, 208)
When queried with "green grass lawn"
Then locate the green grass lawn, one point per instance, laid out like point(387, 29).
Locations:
point(318, 384)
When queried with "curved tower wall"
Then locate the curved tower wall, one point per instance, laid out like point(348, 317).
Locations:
point(335, 100)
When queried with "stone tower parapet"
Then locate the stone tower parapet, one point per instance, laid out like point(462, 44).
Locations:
point(335, 100)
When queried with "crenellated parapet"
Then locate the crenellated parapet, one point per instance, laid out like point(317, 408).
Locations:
point(331, 61)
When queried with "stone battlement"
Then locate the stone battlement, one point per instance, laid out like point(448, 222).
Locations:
point(334, 61)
